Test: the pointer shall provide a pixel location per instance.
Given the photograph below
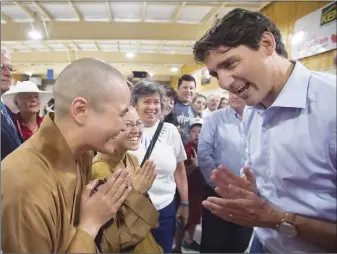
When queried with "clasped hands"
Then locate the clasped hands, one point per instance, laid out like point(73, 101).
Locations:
point(99, 205)
point(239, 201)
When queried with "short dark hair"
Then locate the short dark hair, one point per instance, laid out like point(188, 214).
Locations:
point(186, 77)
point(146, 87)
point(169, 92)
point(238, 27)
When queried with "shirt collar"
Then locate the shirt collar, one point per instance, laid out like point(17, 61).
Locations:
point(234, 113)
point(294, 92)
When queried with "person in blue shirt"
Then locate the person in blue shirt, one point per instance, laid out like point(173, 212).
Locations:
point(288, 188)
point(10, 139)
point(182, 107)
point(222, 142)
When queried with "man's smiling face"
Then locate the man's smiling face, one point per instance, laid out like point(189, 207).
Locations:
point(243, 71)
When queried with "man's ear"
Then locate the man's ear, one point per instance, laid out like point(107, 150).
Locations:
point(79, 110)
point(268, 43)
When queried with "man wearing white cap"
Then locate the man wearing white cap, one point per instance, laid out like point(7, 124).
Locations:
point(25, 99)
point(9, 137)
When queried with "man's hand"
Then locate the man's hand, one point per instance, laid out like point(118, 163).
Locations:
point(144, 177)
point(222, 177)
point(244, 208)
point(183, 212)
point(194, 158)
point(240, 203)
point(98, 207)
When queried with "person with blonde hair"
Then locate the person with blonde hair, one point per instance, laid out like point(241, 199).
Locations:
point(136, 218)
point(199, 104)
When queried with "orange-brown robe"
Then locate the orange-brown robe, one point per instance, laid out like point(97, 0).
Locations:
point(41, 191)
point(136, 218)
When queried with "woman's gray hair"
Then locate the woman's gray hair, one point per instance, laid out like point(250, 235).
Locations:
point(146, 88)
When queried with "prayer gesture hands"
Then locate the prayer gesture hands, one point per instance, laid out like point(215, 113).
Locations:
point(100, 204)
point(144, 177)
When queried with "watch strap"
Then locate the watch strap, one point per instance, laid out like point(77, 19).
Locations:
point(290, 218)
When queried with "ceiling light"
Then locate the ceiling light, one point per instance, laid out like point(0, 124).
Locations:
point(174, 69)
point(35, 35)
point(130, 55)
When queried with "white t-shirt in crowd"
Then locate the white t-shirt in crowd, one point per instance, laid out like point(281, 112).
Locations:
point(168, 151)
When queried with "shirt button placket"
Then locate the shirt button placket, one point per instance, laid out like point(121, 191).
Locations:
point(266, 128)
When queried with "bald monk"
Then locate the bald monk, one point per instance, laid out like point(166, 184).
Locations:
point(138, 216)
point(49, 203)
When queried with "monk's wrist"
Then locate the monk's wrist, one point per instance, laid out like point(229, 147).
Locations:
point(90, 230)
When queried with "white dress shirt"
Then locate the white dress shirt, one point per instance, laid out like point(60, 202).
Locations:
point(291, 148)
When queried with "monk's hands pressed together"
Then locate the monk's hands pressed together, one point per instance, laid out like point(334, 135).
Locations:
point(143, 178)
point(98, 207)
point(239, 202)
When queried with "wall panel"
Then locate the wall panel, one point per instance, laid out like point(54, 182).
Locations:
point(285, 14)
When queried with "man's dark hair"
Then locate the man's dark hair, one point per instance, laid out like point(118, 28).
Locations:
point(186, 77)
point(238, 27)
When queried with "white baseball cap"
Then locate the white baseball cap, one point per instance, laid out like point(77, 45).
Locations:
point(196, 121)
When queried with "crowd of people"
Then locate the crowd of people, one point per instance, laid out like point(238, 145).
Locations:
point(112, 166)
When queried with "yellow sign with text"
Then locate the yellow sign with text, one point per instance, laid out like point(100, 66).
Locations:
point(329, 14)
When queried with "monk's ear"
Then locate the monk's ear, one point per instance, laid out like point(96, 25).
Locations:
point(79, 110)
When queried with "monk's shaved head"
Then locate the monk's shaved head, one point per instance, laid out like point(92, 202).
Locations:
point(92, 79)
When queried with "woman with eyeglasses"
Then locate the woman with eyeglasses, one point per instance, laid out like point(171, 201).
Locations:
point(137, 216)
point(168, 153)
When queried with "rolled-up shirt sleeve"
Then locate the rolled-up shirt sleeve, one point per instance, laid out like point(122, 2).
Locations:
point(206, 149)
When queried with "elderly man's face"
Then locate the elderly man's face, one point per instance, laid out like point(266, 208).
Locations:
point(213, 102)
point(5, 73)
point(28, 102)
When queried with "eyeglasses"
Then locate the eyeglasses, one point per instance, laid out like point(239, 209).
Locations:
point(6, 67)
point(128, 125)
